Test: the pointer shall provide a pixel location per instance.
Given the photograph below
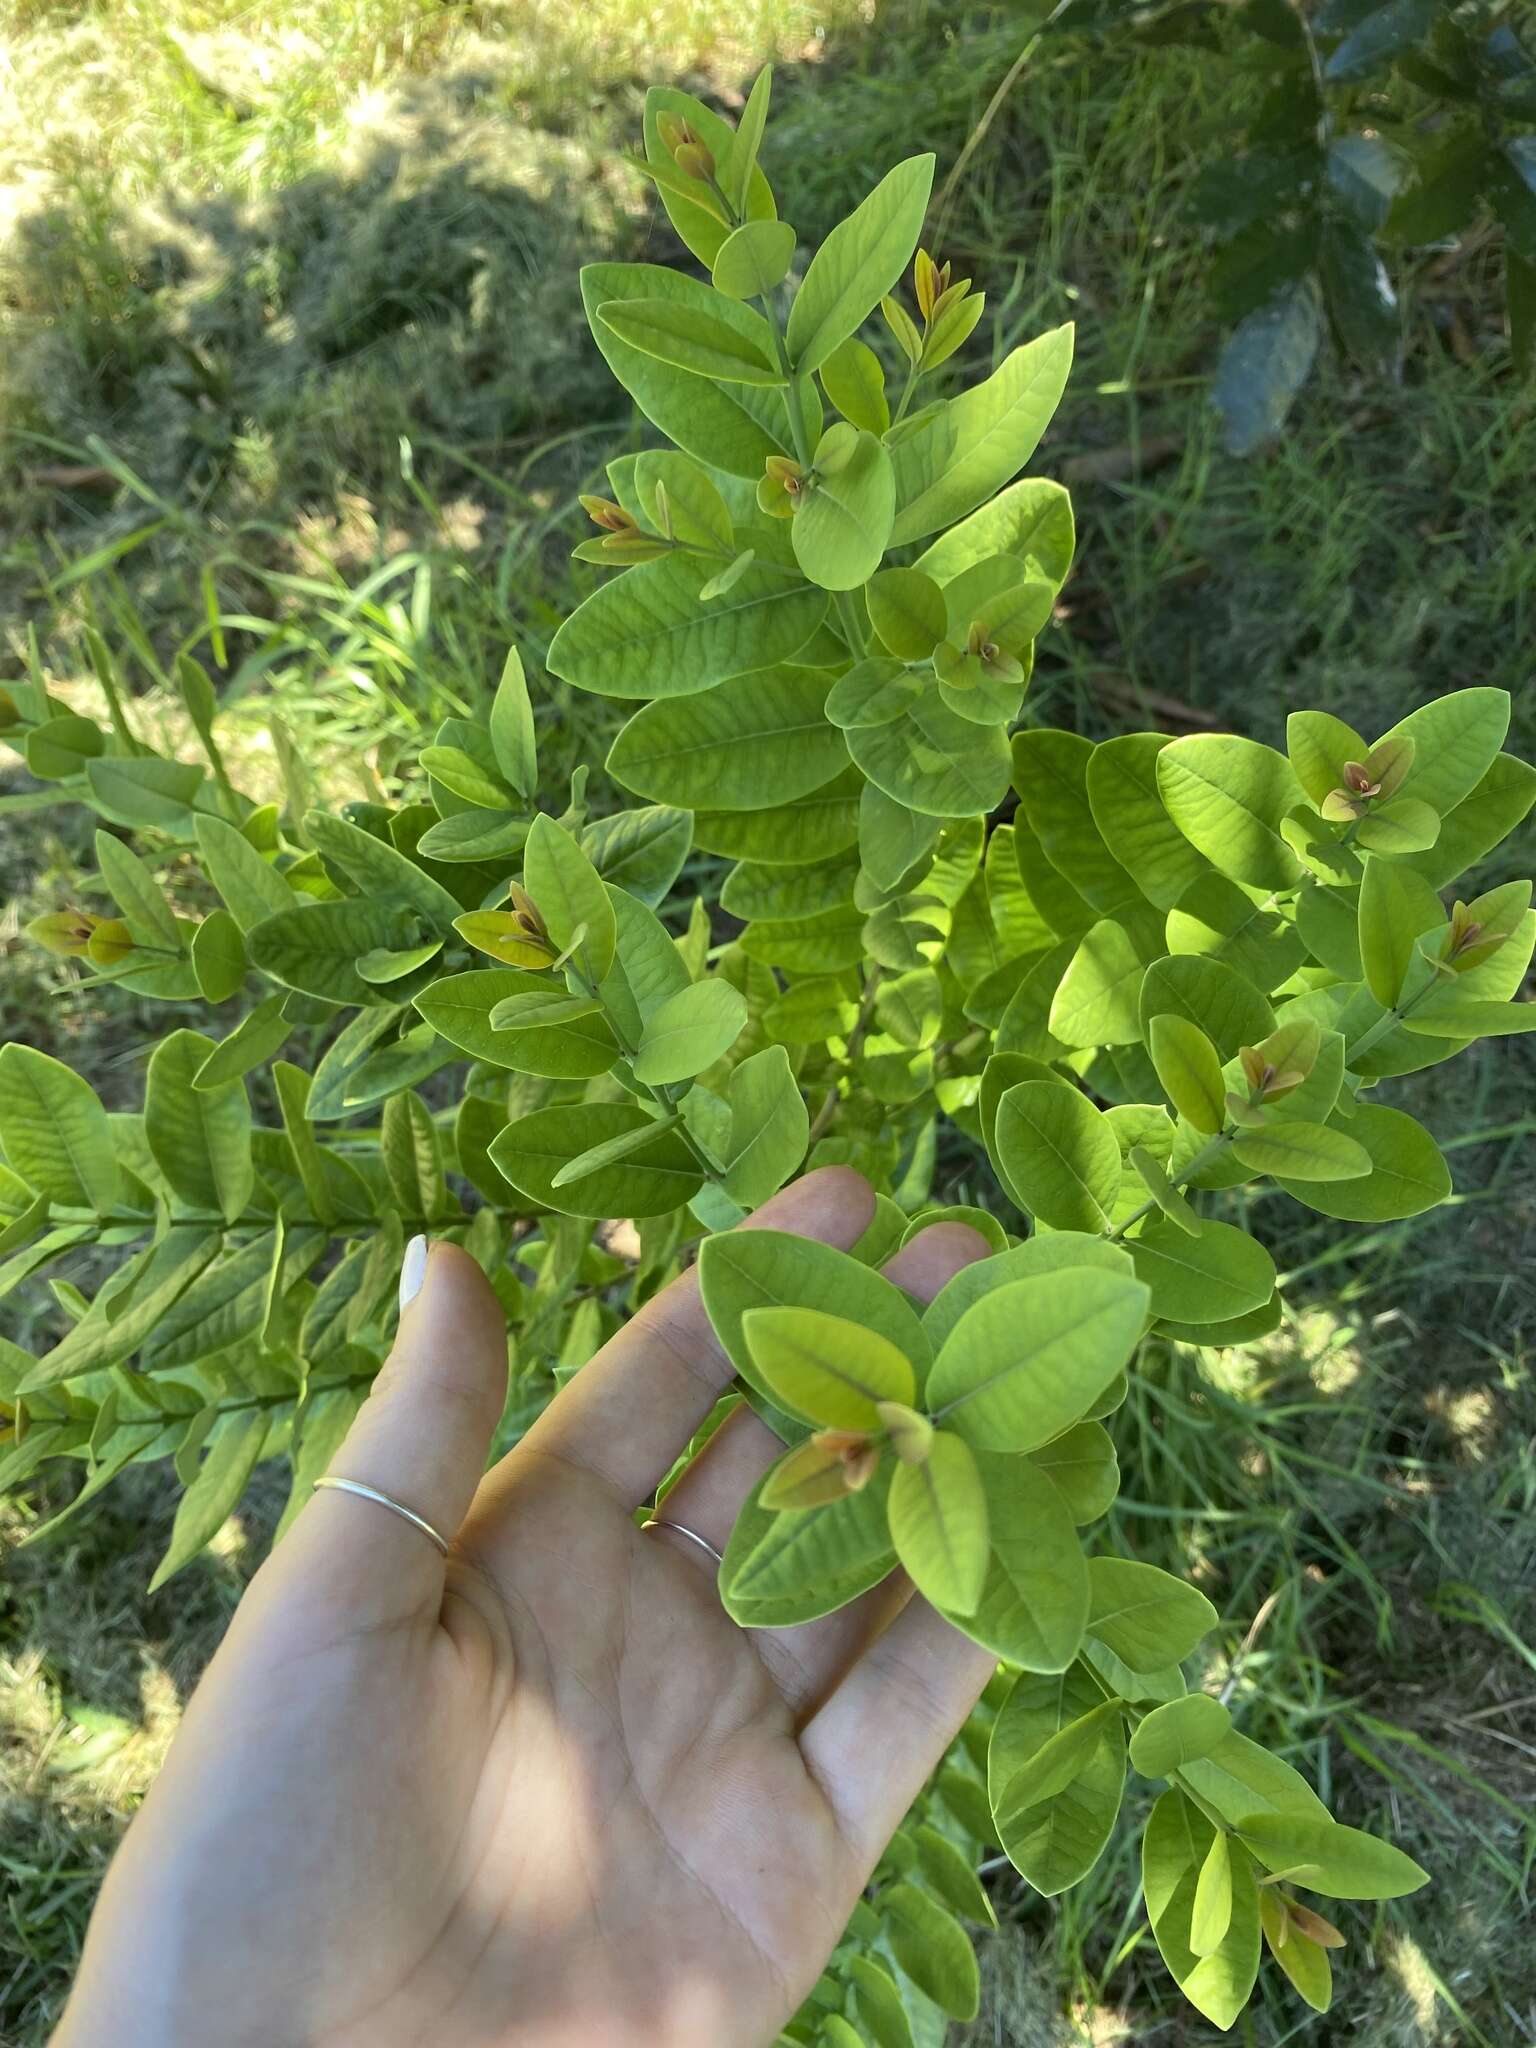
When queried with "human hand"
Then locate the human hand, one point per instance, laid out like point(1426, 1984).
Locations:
point(544, 1791)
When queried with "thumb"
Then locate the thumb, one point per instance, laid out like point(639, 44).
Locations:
point(423, 1434)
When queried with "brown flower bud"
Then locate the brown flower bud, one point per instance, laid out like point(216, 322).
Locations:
point(1358, 780)
point(694, 161)
point(605, 513)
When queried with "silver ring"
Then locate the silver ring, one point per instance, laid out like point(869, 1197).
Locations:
point(655, 1522)
point(395, 1507)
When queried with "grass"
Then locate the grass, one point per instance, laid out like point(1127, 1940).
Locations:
point(295, 291)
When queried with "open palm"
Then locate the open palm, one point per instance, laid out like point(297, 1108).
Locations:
point(546, 1792)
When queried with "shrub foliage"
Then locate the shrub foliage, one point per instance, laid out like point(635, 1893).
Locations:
point(1177, 967)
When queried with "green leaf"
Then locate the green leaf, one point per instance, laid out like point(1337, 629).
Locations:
point(823, 822)
point(55, 1132)
point(218, 956)
point(248, 885)
point(1216, 999)
point(950, 1873)
point(570, 895)
point(769, 1128)
point(1052, 1253)
point(843, 515)
point(137, 894)
point(1096, 1003)
point(1146, 1616)
point(1028, 1360)
point(200, 1137)
point(1034, 1596)
point(907, 611)
point(938, 1512)
point(761, 889)
point(611, 1151)
point(829, 1370)
point(1211, 1913)
point(1176, 1733)
point(144, 790)
point(1221, 921)
point(930, 1946)
point(858, 264)
point(111, 1331)
point(690, 335)
point(1270, 354)
point(933, 761)
point(689, 1032)
point(788, 1567)
point(761, 739)
point(734, 427)
point(1059, 1153)
point(1302, 1151)
point(1400, 827)
point(463, 776)
point(1176, 1849)
point(854, 380)
point(968, 449)
point(1228, 797)
point(1054, 1842)
point(1304, 1962)
point(1396, 908)
point(315, 947)
point(735, 174)
point(754, 259)
point(1455, 741)
point(460, 1008)
point(1324, 1856)
point(413, 1158)
point(1189, 1070)
point(1121, 784)
point(62, 747)
point(511, 724)
point(648, 633)
point(1050, 772)
point(1472, 1019)
point(1407, 1176)
point(1240, 1778)
point(379, 870)
point(474, 835)
point(1319, 745)
point(1032, 519)
point(741, 1270)
point(251, 1044)
point(690, 206)
point(680, 499)
point(1206, 1279)
point(663, 1175)
point(215, 1493)
point(641, 851)
point(1378, 35)
point(1082, 1466)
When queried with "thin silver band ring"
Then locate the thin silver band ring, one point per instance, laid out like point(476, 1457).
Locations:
point(395, 1507)
point(655, 1522)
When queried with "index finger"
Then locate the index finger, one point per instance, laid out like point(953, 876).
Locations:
point(630, 1411)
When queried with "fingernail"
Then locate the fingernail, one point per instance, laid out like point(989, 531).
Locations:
point(413, 1270)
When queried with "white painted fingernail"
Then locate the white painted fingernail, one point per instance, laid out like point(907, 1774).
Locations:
point(413, 1270)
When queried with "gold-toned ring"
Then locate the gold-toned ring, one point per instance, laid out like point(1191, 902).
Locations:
point(655, 1522)
point(395, 1507)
